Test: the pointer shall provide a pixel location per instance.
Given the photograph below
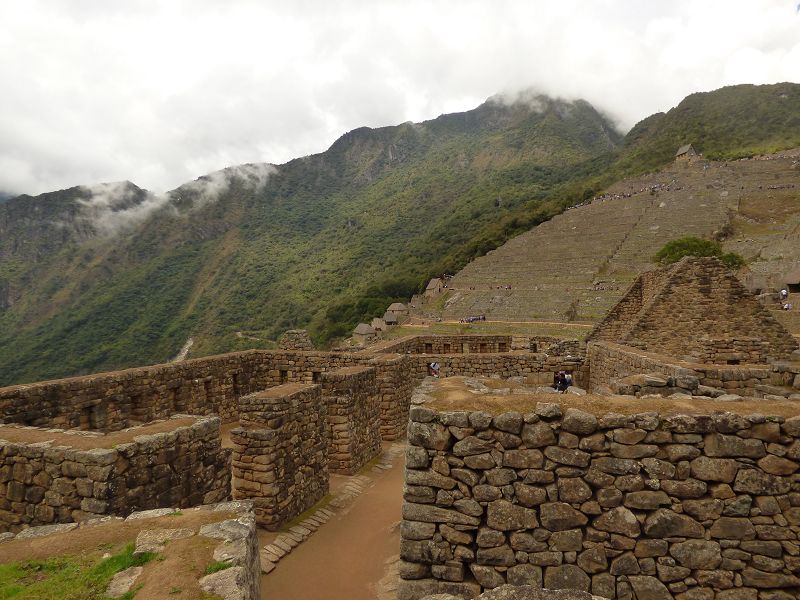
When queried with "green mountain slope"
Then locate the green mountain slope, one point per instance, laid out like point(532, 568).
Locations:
point(321, 240)
point(238, 256)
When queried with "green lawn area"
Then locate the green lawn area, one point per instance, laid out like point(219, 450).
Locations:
point(81, 577)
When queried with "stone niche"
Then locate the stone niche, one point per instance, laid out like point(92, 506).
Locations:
point(354, 418)
point(280, 452)
point(622, 506)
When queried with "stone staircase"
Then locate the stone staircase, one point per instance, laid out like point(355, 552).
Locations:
point(578, 265)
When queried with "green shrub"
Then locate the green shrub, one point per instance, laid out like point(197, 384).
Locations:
point(679, 248)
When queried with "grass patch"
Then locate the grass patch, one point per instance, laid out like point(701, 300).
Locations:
point(83, 577)
point(215, 567)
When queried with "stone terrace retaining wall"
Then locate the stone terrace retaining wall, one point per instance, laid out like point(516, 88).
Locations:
point(280, 452)
point(448, 344)
point(353, 405)
point(609, 362)
point(42, 484)
point(641, 506)
point(539, 367)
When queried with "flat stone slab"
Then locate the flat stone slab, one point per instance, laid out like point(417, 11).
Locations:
point(151, 514)
point(36, 532)
point(123, 582)
point(153, 540)
point(228, 584)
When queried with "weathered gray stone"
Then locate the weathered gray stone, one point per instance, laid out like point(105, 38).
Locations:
point(649, 588)
point(697, 554)
point(502, 515)
point(720, 445)
point(434, 436)
point(510, 422)
point(567, 456)
point(732, 528)
point(472, 445)
point(664, 523)
point(569, 577)
point(123, 582)
point(754, 481)
point(646, 500)
point(714, 469)
point(538, 435)
point(434, 514)
point(557, 516)
point(578, 422)
point(618, 520)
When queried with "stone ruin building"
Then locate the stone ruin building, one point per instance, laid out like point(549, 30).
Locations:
point(295, 339)
point(643, 506)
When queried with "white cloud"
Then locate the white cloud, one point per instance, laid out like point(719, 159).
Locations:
point(113, 207)
point(159, 92)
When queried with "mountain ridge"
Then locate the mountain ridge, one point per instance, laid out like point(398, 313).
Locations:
point(320, 241)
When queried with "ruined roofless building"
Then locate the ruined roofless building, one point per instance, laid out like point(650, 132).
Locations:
point(695, 310)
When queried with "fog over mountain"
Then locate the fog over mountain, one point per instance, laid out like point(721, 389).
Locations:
point(159, 93)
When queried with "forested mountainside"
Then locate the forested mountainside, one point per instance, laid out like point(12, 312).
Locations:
point(109, 276)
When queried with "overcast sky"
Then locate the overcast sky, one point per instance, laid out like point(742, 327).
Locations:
point(162, 91)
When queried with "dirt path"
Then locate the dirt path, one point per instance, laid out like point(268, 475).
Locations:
point(353, 556)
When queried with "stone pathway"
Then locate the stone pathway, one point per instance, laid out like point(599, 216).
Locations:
point(352, 530)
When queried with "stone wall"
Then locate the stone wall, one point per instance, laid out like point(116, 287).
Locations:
point(537, 368)
point(396, 380)
point(212, 385)
point(639, 506)
point(609, 362)
point(295, 339)
point(354, 411)
point(280, 452)
point(447, 344)
point(44, 483)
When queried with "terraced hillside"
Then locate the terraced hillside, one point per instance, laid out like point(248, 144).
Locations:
point(577, 265)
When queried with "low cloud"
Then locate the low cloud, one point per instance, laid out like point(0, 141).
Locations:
point(111, 208)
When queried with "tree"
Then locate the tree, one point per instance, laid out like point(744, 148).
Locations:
point(675, 250)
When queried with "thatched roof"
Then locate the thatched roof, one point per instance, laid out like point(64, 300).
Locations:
point(434, 283)
point(686, 149)
point(397, 307)
point(363, 329)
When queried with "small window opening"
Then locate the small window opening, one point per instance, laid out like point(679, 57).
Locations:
point(235, 384)
point(446, 348)
point(284, 376)
point(316, 376)
point(428, 348)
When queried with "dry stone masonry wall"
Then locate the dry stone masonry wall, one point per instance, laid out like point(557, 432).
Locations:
point(295, 339)
point(43, 483)
point(610, 363)
point(280, 452)
point(628, 507)
point(354, 411)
